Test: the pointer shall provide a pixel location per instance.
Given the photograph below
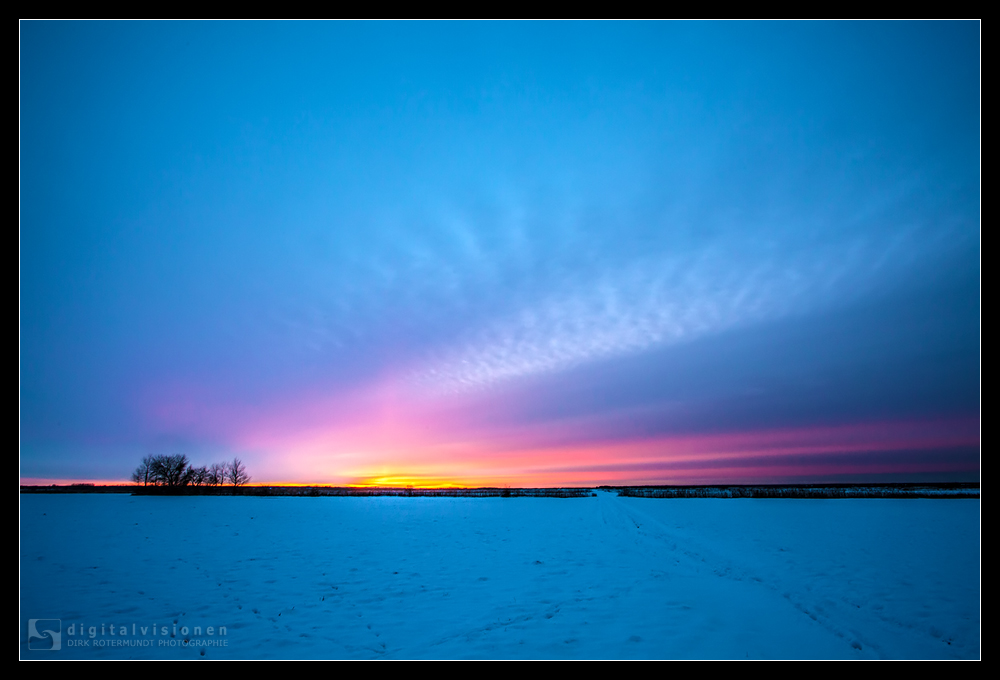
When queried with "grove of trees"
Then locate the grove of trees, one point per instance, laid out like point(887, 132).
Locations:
point(177, 471)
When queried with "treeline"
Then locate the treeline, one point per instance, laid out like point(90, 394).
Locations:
point(945, 490)
point(79, 488)
point(176, 472)
point(485, 492)
point(367, 491)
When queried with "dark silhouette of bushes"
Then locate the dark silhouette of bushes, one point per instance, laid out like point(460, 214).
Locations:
point(942, 490)
point(486, 492)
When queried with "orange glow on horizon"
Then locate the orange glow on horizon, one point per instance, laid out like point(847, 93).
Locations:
point(368, 455)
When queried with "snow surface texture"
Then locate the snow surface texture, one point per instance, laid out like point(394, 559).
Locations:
point(602, 577)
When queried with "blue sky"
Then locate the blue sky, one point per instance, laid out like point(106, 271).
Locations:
point(479, 252)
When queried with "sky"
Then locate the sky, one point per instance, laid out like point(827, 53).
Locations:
point(501, 253)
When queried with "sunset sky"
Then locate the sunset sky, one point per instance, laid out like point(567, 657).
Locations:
point(526, 254)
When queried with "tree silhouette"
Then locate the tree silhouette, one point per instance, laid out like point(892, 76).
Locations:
point(237, 472)
point(143, 473)
point(176, 472)
point(217, 474)
point(172, 470)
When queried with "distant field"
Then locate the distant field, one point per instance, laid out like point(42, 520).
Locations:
point(952, 490)
point(605, 577)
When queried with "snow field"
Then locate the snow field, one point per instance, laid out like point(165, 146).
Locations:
point(602, 577)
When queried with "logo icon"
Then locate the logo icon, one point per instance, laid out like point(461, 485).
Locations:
point(45, 634)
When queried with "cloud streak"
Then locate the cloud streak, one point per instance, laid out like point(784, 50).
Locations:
point(667, 300)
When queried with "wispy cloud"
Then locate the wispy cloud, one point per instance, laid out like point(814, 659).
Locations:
point(664, 300)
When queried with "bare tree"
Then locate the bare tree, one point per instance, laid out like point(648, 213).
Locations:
point(170, 470)
point(217, 474)
point(237, 472)
point(143, 473)
point(199, 476)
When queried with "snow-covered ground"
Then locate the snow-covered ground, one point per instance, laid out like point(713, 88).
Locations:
point(601, 577)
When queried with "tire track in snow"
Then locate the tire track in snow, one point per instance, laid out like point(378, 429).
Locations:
point(652, 533)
